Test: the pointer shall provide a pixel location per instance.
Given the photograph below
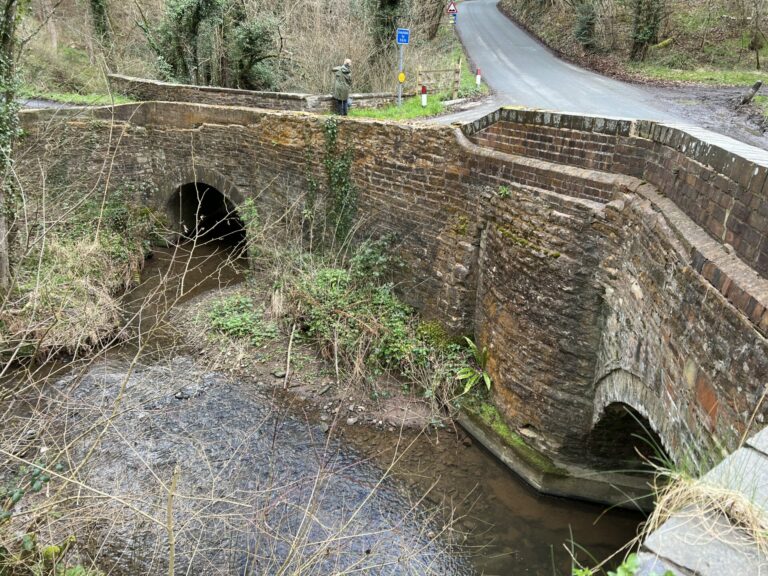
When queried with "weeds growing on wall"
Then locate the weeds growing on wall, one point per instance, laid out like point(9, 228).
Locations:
point(68, 506)
point(342, 195)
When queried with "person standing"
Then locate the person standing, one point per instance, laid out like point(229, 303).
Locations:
point(342, 85)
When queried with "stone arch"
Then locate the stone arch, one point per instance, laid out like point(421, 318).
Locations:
point(626, 407)
point(212, 178)
point(203, 203)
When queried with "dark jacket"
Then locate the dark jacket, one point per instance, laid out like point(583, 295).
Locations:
point(342, 82)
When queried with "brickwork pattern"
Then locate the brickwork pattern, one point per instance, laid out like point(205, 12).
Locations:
point(586, 285)
point(722, 187)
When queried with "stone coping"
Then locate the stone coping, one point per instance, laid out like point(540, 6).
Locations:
point(697, 143)
point(306, 98)
point(740, 284)
point(735, 280)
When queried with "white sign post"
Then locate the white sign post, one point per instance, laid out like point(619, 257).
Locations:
point(403, 38)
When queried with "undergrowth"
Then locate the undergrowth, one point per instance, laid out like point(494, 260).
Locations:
point(239, 317)
point(349, 310)
point(63, 296)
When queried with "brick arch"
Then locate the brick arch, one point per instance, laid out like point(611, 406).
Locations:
point(208, 176)
point(201, 177)
point(622, 387)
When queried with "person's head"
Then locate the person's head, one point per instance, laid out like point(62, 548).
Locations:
point(348, 63)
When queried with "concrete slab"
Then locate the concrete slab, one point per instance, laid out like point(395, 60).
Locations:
point(745, 471)
point(706, 545)
point(652, 565)
point(760, 441)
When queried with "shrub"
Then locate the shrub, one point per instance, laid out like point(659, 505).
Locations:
point(238, 317)
point(586, 20)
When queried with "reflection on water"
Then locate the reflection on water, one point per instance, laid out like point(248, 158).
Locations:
point(512, 529)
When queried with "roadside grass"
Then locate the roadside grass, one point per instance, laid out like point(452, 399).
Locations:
point(724, 77)
point(93, 99)
point(468, 87)
point(761, 102)
point(447, 43)
point(411, 108)
point(702, 41)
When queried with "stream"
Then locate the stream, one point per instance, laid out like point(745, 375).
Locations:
point(262, 488)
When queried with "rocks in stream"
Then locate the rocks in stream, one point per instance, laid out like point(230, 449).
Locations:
point(248, 476)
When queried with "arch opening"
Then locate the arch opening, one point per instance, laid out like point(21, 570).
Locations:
point(623, 439)
point(202, 212)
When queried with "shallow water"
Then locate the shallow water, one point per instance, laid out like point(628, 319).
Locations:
point(446, 506)
point(513, 530)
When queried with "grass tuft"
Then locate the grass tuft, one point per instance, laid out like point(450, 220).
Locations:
point(411, 108)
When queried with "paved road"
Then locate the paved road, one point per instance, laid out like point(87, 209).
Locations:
point(523, 72)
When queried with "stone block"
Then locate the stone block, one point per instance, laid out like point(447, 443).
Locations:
point(652, 565)
point(760, 441)
point(705, 545)
point(745, 471)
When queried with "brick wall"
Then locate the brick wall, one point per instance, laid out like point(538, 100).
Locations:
point(719, 183)
point(154, 90)
point(571, 276)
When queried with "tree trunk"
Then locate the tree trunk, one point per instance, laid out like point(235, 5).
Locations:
point(436, 17)
point(9, 119)
point(46, 12)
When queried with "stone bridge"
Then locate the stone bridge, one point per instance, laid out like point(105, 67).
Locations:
point(615, 269)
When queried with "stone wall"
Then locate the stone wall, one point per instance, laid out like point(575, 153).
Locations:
point(154, 90)
point(589, 287)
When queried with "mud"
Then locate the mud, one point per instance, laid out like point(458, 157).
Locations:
point(714, 108)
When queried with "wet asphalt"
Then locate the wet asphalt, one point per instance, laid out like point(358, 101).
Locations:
point(523, 72)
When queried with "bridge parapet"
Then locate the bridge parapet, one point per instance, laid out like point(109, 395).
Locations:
point(718, 182)
point(156, 90)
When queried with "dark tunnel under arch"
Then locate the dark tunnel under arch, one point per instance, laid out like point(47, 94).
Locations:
point(623, 439)
point(202, 212)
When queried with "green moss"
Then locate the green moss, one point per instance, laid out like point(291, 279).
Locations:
point(461, 226)
point(510, 236)
point(483, 412)
point(434, 334)
point(703, 75)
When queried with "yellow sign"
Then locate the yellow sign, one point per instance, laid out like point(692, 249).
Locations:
point(401, 77)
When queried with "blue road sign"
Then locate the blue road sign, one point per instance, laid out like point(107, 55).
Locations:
point(403, 35)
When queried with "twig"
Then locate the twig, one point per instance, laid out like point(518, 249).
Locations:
point(169, 521)
point(336, 353)
point(288, 358)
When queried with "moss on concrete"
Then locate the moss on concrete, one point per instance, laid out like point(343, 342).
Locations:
point(485, 413)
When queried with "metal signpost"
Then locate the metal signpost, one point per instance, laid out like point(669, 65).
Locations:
point(403, 38)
